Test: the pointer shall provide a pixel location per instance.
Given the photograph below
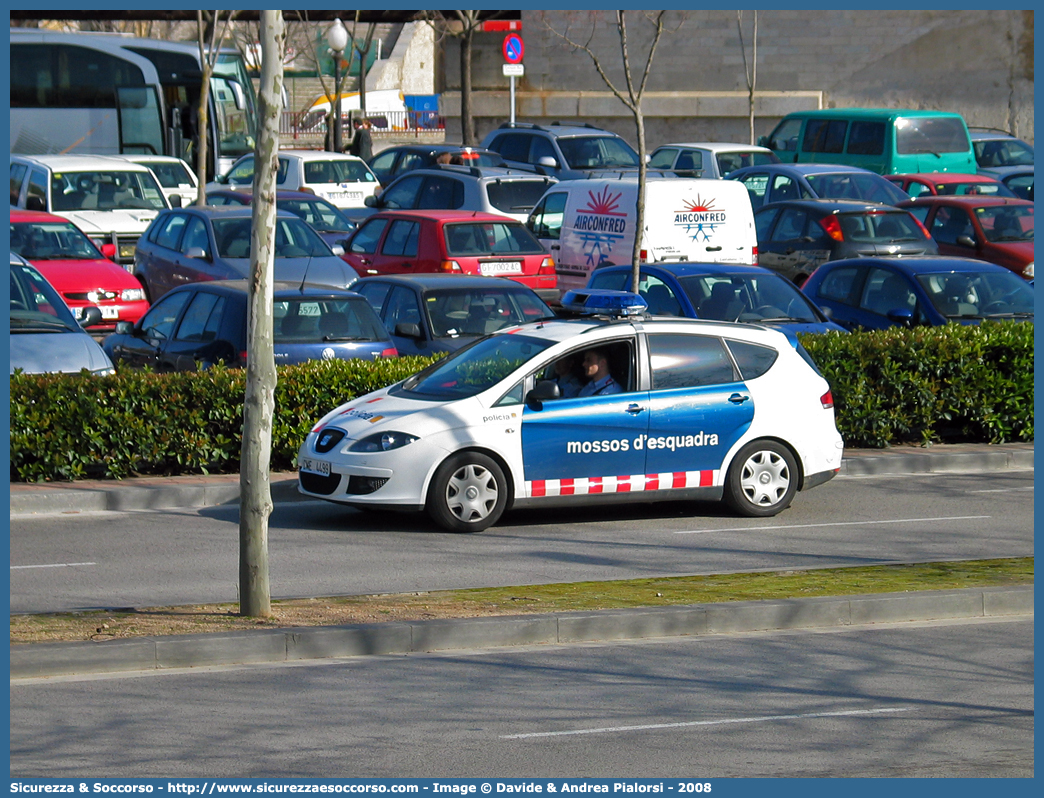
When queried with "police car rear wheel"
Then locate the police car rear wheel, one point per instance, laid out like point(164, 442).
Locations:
point(762, 479)
point(468, 493)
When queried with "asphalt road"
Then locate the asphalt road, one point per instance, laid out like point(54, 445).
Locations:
point(157, 558)
point(946, 699)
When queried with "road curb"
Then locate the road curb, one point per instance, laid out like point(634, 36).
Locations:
point(357, 640)
point(158, 493)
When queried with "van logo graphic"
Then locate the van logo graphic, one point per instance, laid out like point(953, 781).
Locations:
point(601, 224)
point(699, 219)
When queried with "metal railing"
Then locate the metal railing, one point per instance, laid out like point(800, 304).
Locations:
point(311, 125)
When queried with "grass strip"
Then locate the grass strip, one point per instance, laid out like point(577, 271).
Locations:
point(561, 597)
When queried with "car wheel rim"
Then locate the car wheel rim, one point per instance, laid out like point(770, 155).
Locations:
point(765, 478)
point(472, 493)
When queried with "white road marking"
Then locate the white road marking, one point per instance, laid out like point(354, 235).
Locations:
point(53, 565)
point(1002, 490)
point(833, 523)
point(761, 719)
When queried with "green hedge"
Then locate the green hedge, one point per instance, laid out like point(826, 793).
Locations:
point(950, 383)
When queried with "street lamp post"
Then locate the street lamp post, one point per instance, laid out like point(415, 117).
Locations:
point(337, 38)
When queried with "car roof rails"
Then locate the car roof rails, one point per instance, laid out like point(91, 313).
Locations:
point(526, 125)
point(991, 129)
point(578, 124)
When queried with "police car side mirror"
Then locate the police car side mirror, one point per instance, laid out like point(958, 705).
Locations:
point(544, 391)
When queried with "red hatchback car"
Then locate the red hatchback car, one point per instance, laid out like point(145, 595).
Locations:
point(951, 183)
point(77, 270)
point(456, 242)
point(994, 229)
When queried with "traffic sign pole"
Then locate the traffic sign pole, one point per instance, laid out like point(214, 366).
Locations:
point(513, 50)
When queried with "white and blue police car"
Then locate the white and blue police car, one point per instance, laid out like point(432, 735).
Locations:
point(703, 410)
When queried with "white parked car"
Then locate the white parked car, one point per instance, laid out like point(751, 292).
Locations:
point(111, 200)
point(714, 159)
point(344, 180)
point(700, 410)
point(175, 177)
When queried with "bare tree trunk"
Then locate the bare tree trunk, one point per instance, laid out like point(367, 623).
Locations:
point(751, 72)
point(363, 53)
point(467, 118)
point(207, 59)
point(259, 404)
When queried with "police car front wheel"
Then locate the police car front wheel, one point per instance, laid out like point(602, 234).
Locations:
point(762, 479)
point(468, 493)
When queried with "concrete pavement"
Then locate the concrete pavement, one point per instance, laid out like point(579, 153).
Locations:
point(155, 493)
point(284, 645)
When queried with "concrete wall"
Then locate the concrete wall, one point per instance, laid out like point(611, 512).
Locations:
point(979, 63)
point(411, 64)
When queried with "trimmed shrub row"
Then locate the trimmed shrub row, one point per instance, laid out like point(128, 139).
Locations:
point(952, 384)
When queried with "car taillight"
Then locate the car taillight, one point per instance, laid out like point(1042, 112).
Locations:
point(450, 266)
point(643, 256)
point(827, 400)
point(306, 190)
point(393, 352)
point(753, 256)
point(547, 266)
point(243, 357)
point(832, 226)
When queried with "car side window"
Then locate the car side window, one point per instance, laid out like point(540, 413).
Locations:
point(663, 158)
point(784, 188)
point(36, 191)
point(170, 231)
point(546, 219)
point(791, 225)
point(917, 189)
point(402, 308)
point(403, 193)
point(402, 239)
point(202, 318)
point(690, 159)
point(753, 359)
point(158, 323)
point(885, 291)
point(196, 236)
point(866, 138)
point(949, 224)
point(757, 187)
point(839, 285)
point(824, 135)
point(364, 242)
point(374, 293)
point(512, 146)
point(18, 171)
point(613, 281)
point(785, 137)
point(281, 175)
point(541, 148)
point(763, 220)
point(243, 172)
point(383, 163)
point(441, 193)
point(688, 361)
point(661, 300)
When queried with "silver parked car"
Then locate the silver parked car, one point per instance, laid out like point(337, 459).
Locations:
point(45, 337)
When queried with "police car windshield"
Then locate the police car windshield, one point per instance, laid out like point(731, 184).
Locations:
point(474, 368)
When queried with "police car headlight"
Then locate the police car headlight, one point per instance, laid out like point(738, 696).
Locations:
point(382, 442)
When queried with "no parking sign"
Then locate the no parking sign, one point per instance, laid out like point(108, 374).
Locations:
point(513, 48)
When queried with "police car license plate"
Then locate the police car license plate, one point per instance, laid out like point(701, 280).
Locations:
point(314, 466)
point(501, 267)
point(109, 311)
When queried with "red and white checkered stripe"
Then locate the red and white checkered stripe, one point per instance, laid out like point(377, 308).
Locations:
point(583, 486)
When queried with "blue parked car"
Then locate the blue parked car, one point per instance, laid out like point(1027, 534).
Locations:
point(778, 182)
point(719, 291)
point(875, 293)
point(196, 326)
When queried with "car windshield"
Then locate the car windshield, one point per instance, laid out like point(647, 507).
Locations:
point(319, 214)
point(313, 321)
point(515, 196)
point(490, 238)
point(934, 135)
point(978, 295)
point(170, 174)
point(105, 191)
point(597, 152)
point(293, 239)
point(479, 311)
point(1006, 223)
point(985, 189)
point(35, 305)
point(880, 227)
point(1003, 152)
point(474, 368)
point(763, 297)
point(337, 172)
point(729, 162)
point(51, 241)
point(856, 185)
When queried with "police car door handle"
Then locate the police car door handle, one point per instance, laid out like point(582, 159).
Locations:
point(634, 409)
point(738, 398)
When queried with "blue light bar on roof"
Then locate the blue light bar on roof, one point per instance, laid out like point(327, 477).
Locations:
point(602, 301)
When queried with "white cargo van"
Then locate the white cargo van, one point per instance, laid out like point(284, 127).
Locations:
point(585, 224)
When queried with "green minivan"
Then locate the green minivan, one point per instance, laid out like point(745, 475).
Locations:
point(883, 140)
